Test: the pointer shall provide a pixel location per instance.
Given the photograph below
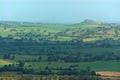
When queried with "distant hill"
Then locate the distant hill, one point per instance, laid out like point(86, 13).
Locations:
point(90, 21)
point(87, 31)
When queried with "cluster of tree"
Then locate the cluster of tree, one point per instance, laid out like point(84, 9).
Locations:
point(16, 68)
point(10, 46)
point(56, 77)
point(48, 71)
point(34, 60)
point(62, 74)
point(69, 57)
point(83, 58)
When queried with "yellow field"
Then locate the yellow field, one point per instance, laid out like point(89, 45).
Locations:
point(6, 62)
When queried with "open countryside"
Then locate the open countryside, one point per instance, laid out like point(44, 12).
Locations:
point(75, 47)
point(59, 40)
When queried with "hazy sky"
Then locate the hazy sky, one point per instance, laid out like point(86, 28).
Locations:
point(59, 11)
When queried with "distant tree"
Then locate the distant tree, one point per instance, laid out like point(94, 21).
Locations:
point(39, 58)
point(88, 69)
point(6, 56)
point(21, 64)
point(13, 57)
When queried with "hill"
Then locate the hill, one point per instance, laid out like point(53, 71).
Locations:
point(87, 31)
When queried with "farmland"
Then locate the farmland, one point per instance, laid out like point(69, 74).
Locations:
point(59, 49)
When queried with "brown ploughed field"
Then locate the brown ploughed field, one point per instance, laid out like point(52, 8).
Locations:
point(110, 75)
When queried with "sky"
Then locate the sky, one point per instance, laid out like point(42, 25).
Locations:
point(59, 11)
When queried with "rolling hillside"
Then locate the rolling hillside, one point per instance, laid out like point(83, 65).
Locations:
point(87, 31)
